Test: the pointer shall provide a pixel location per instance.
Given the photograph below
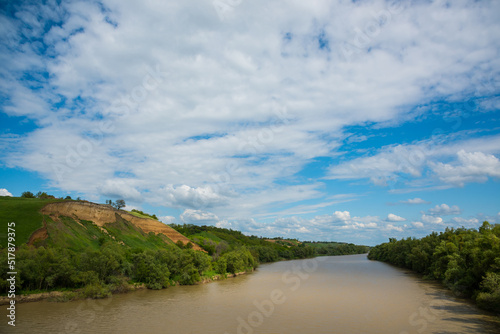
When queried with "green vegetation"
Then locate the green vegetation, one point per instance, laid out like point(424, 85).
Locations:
point(25, 213)
point(337, 248)
point(100, 272)
point(465, 260)
point(218, 241)
point(92, 261)
point(141, 214)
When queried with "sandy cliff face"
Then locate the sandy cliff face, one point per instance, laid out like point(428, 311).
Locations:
point(103, 214)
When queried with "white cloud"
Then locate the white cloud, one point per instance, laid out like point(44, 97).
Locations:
point(405, 163)
point(431, 219)
point(394, 218)
point(166, 103)
point(186, 196)
point(342, 215)
point(5, 192)
point(190, 216)
point(415, 201)
point(465, 221)
point(168, 219)
point(391, 227)
point(418, 224)
point(470, 167)
point(120, 188)
point(444, 209)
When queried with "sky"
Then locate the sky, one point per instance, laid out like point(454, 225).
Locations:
point(351, 121)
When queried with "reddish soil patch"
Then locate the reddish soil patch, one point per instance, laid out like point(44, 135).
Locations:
point(40, 234)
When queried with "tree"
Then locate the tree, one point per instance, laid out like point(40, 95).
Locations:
point(44, 195)
point(28, 194)
point(120, 203)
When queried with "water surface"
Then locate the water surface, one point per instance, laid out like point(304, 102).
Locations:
point(343, 294)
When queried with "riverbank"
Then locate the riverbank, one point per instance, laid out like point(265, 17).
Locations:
point(64, 296)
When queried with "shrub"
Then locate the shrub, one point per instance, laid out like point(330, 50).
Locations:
point(28, 194)
point(95, 291)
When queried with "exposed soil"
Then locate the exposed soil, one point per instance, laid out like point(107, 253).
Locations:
point(104, 214)
point(40, 234)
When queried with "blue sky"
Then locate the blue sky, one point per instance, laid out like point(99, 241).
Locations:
point(318, 120)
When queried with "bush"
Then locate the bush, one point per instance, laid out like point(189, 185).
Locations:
point(27, 194)
point(95, 291)
point(118, 284)
point(490, 297)
point(189, 275)
point(220, 265)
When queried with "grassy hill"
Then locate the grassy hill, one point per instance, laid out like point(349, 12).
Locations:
point(77, 225)
point(25, 212)
point(99, 250)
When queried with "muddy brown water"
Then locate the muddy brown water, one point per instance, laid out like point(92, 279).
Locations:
point(343, 294)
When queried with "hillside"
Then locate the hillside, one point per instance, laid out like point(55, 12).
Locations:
point(81, 224)
point(109, 220)
point(95, 250)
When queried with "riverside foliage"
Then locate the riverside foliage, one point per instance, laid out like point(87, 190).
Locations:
point(466, 260)
point(98, 271)
point(96, 261)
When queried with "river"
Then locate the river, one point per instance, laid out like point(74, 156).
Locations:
point(342, 294)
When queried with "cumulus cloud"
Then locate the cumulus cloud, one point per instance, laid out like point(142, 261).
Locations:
point(432, 219)
point(123, 189)
point(184, 103)
point(391, 227)
point(342, 220)
point(418, 224)
point(199, 217)
point(465, 221)
point(5, 192)
point(415, 201)
point(162, 101)
point(445, 209)
point(404, 163)
point(186, 196)
point(470, 167)
point(394, 218)
point(168, 219)
point(342, 215)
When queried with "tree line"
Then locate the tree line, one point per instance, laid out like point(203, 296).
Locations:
point(108, 266)
point(466, 260)
point(110, 269)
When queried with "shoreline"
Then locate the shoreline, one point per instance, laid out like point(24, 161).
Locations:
point(64, 296)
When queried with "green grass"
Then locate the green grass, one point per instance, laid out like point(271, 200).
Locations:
point(208, 235)
point(137, 214)
point(134, 237)
point(209, 274)
point(25, 213)
point(67, 233)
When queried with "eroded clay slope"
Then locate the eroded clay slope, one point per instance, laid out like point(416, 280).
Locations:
point(103, 214)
